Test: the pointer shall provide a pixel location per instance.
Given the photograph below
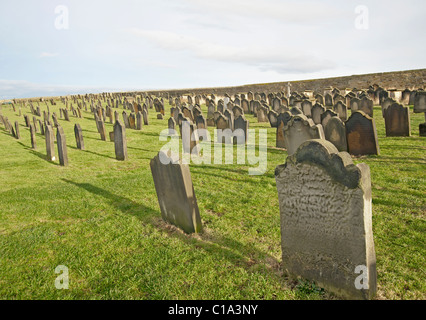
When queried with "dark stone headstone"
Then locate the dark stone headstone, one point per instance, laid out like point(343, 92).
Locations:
point(361, 134)
point(175, 192)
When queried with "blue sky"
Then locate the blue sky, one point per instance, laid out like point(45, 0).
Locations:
point(139, 45)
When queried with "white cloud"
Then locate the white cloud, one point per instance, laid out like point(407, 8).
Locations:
point(278, 59)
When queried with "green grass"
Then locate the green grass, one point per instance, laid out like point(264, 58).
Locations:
point(100, 217)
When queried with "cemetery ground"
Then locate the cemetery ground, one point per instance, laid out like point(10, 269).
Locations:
point(100, 218)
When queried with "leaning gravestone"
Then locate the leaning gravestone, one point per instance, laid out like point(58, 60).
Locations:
point(78, 136)
point(361, 134)
point(326, 220)
point(120, 142)
point(62, 146)
point(175, 192)
point(298, 130)
point(397, 121)
point(17, 133)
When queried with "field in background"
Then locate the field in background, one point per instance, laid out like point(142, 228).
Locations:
point(100, 217)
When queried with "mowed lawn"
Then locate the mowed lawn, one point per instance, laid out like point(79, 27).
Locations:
point(100, 218)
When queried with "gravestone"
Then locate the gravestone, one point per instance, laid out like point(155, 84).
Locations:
point(262, 114)
point(145, 117)
point(335, 132)
point(366, 105)
point(317, 111)
point(132, 121)
point(200, 122)
point(327, 115)
point(41, 126)
point(50, 145)
point(101, 129)
point(307, 108)
point(171, 124)
point(62, 146)
point(397, 121)
point(273, 118)
point(385, 104)
point(33, 137)
point(17, 133)
point(120, 142)
point(328, 100)
point(78, 133)
point(126, 120)
point(241, 126)
point(326, 220)
point(361, 134)
point(298, 130)
point(341, 110)
point(175, 192)
point(139, 120)
point(420, 102)
point(282, 120)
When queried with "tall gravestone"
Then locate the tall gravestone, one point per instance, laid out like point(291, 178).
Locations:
point(79, 136)
point(17, 133)
point(120, 142)
point(335, 132)
point(175, 192)
point(62, 146)
point(50, 144)
point(397, 121)
point(33, 137)
point(326, 220)
point(361, 134)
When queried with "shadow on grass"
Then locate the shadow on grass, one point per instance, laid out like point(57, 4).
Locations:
point(246, 256)
point(92, 152)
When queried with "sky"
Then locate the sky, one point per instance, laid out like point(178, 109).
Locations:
point(50, 48)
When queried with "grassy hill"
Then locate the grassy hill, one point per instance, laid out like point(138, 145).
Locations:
point(100, 218)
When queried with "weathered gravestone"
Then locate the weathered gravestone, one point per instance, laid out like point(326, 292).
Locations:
point(17, 133)
point(326, 220)
point(101, 129)
point(282, 120)
point(420, 102)
point(175, 192)
point(298, 130)
point(139, 120)
point(50, 145)
point(241, 126)
point(126, 120)
point(120, 142)
point(62, 146)
point(145, 117)
point(307, 108)
point(327, 115)
point(341, 110)
point(397, 121)
point(33, 137)
point(316, 112)
point(335, 132)
point(361, 134)
point(79, 136)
